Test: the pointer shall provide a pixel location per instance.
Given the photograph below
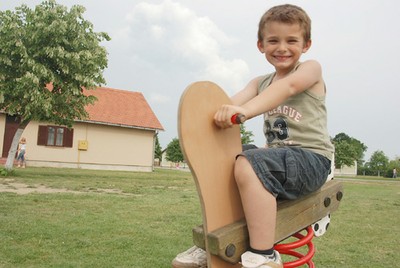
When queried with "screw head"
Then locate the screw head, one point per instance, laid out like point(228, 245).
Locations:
point(327, 202)
point(230, 250)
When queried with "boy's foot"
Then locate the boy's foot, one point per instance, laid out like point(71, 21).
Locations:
point(252, 260)
point(194, 257)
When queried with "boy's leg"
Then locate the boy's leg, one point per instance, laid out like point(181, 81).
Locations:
point(259, 206)
point(261, 226)
point(261, 176)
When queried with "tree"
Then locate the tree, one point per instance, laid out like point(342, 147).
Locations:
point(348, 150)
point(157, 149)
point(173, 151)
point(47, 56)
point(344, 154)
point(246, 136)
point(378, 162)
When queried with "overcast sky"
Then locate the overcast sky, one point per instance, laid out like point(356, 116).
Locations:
point(159, 47)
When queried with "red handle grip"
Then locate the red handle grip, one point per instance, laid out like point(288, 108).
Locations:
point(237, 119)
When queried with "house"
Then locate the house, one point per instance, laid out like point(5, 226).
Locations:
point(168, 164)
point(118, 135)
point(347, 170)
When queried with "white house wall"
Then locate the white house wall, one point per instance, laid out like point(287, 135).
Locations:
point(116, 145)
point(109, 148)
point(347, 170)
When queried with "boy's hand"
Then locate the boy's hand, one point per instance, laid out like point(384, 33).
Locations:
point(222, 117)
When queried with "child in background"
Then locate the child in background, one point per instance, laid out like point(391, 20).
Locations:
point(21, 153)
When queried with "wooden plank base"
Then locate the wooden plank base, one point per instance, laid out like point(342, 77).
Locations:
point(230, 241)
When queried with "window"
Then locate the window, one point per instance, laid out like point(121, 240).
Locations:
point(55, 136)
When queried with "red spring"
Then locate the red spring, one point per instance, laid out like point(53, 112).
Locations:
point(287, 249)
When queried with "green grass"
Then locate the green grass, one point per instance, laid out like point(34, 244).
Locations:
point(151, 221)
point(360, 177)
point(364, 232)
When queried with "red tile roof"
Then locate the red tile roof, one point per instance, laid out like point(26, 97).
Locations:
point(122, 108)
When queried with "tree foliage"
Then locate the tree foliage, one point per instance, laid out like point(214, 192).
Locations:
point(378, 162)
point(173, 152)
point(157, 149)
point(48, 45)
point(246, 136)
point(348, 150)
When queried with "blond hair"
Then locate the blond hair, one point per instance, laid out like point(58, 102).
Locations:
point(289, 14)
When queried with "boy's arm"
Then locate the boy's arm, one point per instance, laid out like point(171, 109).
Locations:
point(240, 98)
point(247, 93)
point(307, 76)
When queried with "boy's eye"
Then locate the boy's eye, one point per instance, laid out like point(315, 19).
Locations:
point(292, 41)
point(272, 41)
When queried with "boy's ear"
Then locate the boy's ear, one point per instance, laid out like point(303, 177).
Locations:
point(260, 46)
point(307, 46)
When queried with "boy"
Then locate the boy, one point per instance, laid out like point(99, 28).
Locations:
point(296, 160)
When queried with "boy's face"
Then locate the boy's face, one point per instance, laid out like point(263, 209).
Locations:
point(283, 45)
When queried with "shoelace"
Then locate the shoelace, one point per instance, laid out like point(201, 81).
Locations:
point(196, 252)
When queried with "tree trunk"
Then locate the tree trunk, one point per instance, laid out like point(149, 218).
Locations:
point(14, 146)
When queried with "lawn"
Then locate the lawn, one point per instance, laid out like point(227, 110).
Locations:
point(128, 219)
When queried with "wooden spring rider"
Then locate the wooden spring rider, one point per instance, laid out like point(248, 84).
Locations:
point(210, 153)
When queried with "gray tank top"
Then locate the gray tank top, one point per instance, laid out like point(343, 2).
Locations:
point(300, 121)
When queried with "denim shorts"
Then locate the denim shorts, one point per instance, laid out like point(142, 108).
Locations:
point(21, 155)
point(288, 172)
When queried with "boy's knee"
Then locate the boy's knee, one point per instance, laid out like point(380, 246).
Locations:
point(241, 170)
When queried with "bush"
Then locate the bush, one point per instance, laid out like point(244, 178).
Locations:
point(4, 172)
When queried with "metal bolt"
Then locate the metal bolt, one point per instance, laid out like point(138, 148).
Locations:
point(230, 250)
point(339, 196)
point(327, 202)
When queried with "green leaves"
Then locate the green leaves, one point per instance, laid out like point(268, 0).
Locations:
point(348, 150)
point(173, 151)
point(246, 136)
point(49, 45)
point(379, 161)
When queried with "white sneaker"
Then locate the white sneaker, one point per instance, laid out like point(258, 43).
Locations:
point(252, 260)
point(194, 257)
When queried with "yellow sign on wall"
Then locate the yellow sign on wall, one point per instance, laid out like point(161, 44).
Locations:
point(83, 145)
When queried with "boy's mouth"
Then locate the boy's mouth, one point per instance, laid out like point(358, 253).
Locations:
point(282, 58)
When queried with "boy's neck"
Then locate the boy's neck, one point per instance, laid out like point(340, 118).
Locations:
point(282, 73)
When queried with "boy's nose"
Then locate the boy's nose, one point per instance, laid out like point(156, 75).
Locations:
point(282, 46)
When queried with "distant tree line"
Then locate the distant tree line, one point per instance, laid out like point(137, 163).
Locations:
point(348, 150)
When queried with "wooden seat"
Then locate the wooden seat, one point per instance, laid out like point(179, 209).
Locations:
point(230, 241)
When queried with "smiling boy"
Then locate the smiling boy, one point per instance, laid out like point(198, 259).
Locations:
point(297, 157)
